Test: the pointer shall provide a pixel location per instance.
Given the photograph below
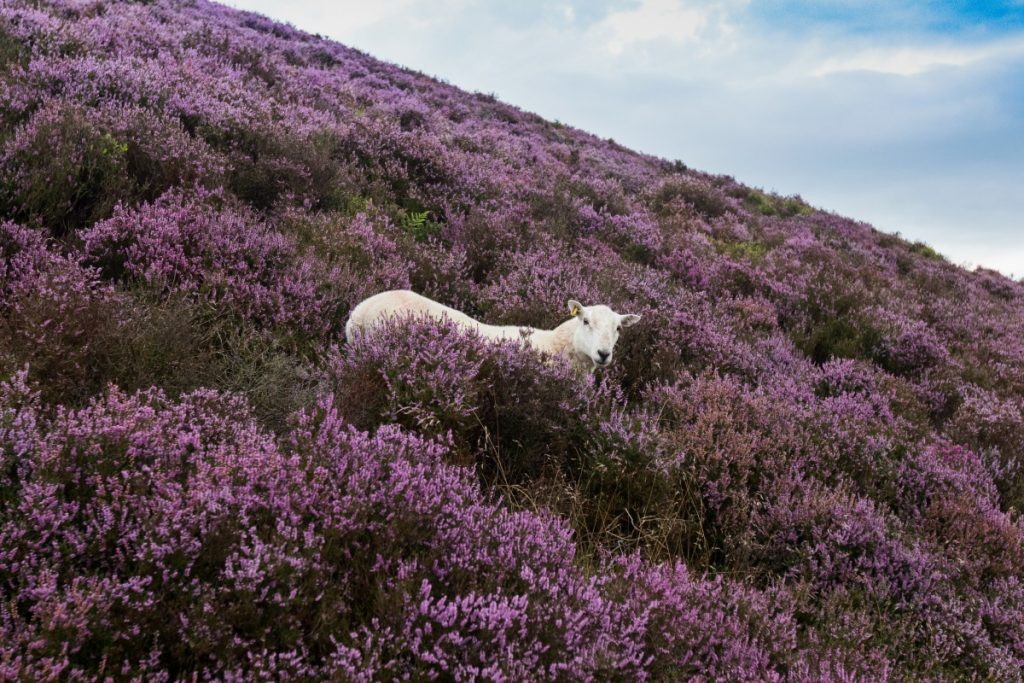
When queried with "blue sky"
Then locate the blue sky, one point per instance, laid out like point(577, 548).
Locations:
point(907, 115)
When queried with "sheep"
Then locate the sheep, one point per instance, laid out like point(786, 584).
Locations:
point(587, 338)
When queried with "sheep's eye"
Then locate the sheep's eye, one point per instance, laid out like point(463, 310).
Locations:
point(586, 322)
point(618, 328)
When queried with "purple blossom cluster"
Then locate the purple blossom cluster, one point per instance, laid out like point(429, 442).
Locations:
point(189, 244)
point(147, 537)
point(805, 464)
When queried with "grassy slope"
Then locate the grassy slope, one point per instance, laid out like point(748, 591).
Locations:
point(196, 197)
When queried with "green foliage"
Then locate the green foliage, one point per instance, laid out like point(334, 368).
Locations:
point(181, 345)
point(774, 205)
point(12, 51)
point(140, 340)
point(419, 225)
point(751, 250)
point(839, 337)
point(832, 323)
point(924, 250)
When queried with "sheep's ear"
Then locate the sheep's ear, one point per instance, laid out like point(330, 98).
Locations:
point(575, 308)
point(629, 319)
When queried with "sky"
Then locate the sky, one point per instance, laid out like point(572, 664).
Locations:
point(908, 115)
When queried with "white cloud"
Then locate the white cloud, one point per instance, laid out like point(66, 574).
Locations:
point(672, 20)
point(912, 61)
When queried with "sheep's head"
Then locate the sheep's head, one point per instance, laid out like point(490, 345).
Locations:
point(597, 330)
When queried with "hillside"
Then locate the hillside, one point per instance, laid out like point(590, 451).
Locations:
point(804, 463)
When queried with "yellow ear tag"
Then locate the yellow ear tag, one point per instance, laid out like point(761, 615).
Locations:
point(575, 311)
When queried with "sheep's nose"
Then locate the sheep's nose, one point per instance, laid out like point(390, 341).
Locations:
point(603, 355)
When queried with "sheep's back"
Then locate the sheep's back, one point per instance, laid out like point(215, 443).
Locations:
point(402, 302)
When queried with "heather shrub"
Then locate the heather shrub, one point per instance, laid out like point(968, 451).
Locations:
point(151, 535)
point(833, 540)
point(907, 347)
point(987, 423)
point(168, 342)
point(832, 322)
point(600, 209)
point(437, 380)
point(689, 260)
point(356, 256)
point(412, 169)
point(689, 194)
point(849, 376)
point(476, 590)
point(562, 212)
point(19, 431)
point(271, 167)
point(203, 245)
point(854, 568)
point(1001, 613)
point(621, 498)
point(637, 236)
point(706, 629)
point(76, 334)
point(723, 460)
point(942, 469)
point(440, 271)
point(160, 154)
point(420, 370)
point(839, 337)
point(488, 235)
point(55, 316)
point(735, 444)
point(12, 51)
point(997, 285)
point(121, 502)
point(535, 285)
point(687, 336)
point(62, 170)
point(68, 166)
point(521, 420)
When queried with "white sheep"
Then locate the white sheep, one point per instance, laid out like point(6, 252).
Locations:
point(587, 338)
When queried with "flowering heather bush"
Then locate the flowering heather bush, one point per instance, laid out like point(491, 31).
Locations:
point(55, 315)
point(148, 537)
point(439, 382)
point(67, 166)
point(805, 463)
point(190, 244)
